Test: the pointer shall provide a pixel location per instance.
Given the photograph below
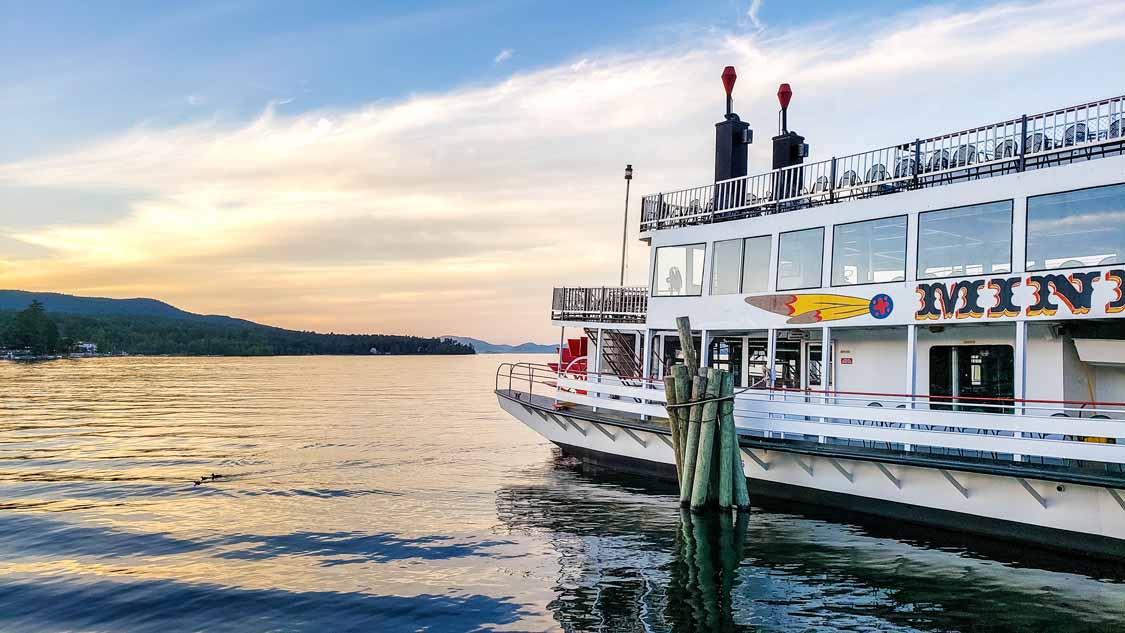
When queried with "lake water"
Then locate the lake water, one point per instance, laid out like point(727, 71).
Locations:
point(392, 494)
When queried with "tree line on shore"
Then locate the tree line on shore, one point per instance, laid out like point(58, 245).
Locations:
point(35, 330)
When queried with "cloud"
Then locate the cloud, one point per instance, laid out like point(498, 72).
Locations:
point(752, 13)
point(503, 56)
point(456, 212)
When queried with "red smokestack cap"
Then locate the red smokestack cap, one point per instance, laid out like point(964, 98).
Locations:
point(784, 94)
point(728, 79)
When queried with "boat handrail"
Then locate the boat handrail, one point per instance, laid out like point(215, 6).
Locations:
point(834, 392)
point(1057, 137)
point(540, 373)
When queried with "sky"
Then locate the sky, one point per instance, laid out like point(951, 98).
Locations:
point(436, 168)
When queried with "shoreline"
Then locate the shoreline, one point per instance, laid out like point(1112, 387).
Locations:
point(53, 357)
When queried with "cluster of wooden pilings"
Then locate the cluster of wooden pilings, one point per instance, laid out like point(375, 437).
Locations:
point(701, 416)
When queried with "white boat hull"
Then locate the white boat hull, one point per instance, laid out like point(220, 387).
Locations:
point(1063, 515)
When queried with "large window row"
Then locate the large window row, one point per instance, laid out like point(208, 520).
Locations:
point(1064, 230)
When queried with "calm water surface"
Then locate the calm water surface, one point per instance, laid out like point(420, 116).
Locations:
point(392, 494)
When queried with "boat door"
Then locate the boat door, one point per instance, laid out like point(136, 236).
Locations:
point(811, 378)
point(788, 364)
point(972, 377)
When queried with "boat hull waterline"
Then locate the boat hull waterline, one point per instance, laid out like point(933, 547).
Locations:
point(1058, 515)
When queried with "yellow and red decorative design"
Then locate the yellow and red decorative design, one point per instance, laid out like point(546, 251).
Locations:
point(815, 308)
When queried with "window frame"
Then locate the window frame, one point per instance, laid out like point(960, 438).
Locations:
point(1027, 225)
point(741, 262)
point(905, 251)
point(1011, 241)
point(656, 260)
point(769, 260)
point(777, 275)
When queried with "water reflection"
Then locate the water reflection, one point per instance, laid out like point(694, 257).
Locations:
point(391, 494)
point(631, 560)
point(704, 571)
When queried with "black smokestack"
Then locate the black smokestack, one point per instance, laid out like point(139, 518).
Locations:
point(732, 136)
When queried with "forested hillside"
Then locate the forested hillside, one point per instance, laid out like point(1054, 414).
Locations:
point(49, 332)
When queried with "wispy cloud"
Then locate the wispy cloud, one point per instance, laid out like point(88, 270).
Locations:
point(456, 212)
point(752, 13)
point(503, 56)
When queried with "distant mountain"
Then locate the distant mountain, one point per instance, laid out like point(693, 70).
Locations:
point(148, 326)
point(90, 306)
point(484, 347)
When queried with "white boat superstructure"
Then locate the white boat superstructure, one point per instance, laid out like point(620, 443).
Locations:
point(930, 331)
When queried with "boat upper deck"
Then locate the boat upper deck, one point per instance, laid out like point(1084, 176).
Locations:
point(1029, 142)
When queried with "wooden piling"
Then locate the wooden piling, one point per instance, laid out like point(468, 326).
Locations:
point(687, 343)
point(673, 421)
point(683, 395)
point(728, 443)
point(691, 448)
point(706, 443)
point(741, 493)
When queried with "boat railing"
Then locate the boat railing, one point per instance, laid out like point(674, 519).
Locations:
point(1022, 406)
point(603, 304)
point(1036, 431)
point(527, 379)
point(1058, 137)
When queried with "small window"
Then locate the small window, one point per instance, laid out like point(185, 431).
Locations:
point(1076, 228)
point(869, 252)
point(756, 264)
point(966, 241)
point(800, 259)
point(679, 271)
point(726, 266)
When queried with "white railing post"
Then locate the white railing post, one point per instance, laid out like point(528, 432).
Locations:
point(770, 352)
point(598, 361)
point(558, 374)
point(646, 363)
point(1019, 387)
point(911, 372)
point(825, 370)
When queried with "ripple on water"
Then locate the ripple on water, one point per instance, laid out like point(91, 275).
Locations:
point(391, 494)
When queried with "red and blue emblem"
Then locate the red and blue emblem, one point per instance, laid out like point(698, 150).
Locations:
point(881, 306)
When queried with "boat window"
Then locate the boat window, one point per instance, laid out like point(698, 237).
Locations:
point(1076, 228)
point(673, 354)
point(678, 271)
point(756, 264)
point(726, 266)
point(972, 377)
point(800, 259)
point(726, 354)
point(868, 252)
point(973, 240)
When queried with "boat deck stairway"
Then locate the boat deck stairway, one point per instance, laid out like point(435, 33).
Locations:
point(619, 353)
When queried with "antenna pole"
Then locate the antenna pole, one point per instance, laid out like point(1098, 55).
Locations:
point(625, 225)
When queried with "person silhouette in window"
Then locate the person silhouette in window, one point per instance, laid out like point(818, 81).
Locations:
point(675, 280)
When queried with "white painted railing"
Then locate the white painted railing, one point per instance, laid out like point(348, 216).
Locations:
point(1074, 133)
point(801, 416)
